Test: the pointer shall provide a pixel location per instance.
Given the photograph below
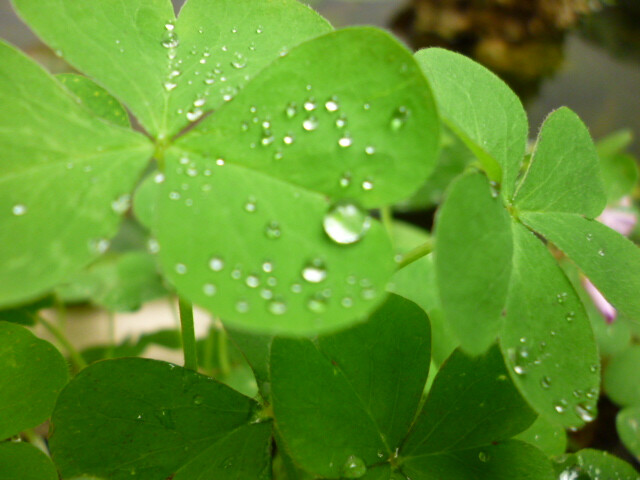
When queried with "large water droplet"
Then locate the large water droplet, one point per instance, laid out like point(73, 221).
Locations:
point(315, 271)
point(19, 210)
point(354, 467)
point(216, 264)
point(239, 61)
point(346, 222)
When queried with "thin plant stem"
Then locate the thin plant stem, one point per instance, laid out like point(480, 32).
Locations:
point(223, 353)
point(206, 363)
point(189, 346)
point(416, 254)
point(75, 356)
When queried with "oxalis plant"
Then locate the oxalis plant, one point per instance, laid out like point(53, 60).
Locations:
point(270, 155)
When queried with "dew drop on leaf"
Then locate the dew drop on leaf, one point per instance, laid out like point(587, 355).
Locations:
point(560, 406)
point(242, 306)
point(209, 289)
point(216, 264)
point(346, 222)
point(310, 105)
point(483, 457)
point(267, 267)
point(354, 467)
point(345, 141)
point(198, 400)
point(291, 110)
point(585, 412)
point(250, 206)
point(545, 382)
point(272, 230)
point(399, 118)
point(332, 105)
point(370, 150)
point(19, 210)
point(315, 271)
point(277, 307)
point(317, 304)
point(99, 245)
point(367, 185)
point(181, 268)
point(121, 204)
point(252, 281)
point(310, 124)
point(346, 302)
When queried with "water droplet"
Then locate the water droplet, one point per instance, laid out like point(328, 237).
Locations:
point(562, 297)
point(310, 105)
point(367, 185)
point(483, 457)
point(195, 114)
point(545, 382)
point(346, 222)
point(169, 86)
point(589, 237)
point(291, 110)
point(585, 412)
point(594, 368)
point(209, 289)
point(570, 316)
point(370, 150)
point(242, 306)
point(277, 307)
point(267, 267)
point(250, 206)
point(345, 180)
point(266, 294)
point(296, 288)
point(354, 467)
point(153, 246)
point(239, 61)
point(236, 273)
point(252, 281)
point(345, 141)
point(310, 124)
point(272, 230)
point(346, 302)
point(121, 204)
point(220, 162)
point(99, 245)
point(216, 264)
point(198, 400)
point(399, 118)
point(259, 29)
point(317, 304)
point(315, 271)
point(601, 252)
point(288, 139)
point(332, 105)
point(181, 268)
point(341, 121)
point(19, 210)
point(560, 406)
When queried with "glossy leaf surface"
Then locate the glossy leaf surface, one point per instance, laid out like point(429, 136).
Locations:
point(482, 110)
point(608, 259)
point(25, 462)
point(146, 419)
point(620, 369)
point(60, 172)
point(547, 338)
point(349, 398)
point(473, 261)
point(32, 373)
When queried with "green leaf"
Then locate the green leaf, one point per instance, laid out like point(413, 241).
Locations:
point(349, 398)
point(26, 314)
point(482, 110)
point(243, 453)
point(564, 173)
point(417, 282)
point(256, 349)
point(32, 373)
point(119, 283)
point(25, 462)
point(471, 404)
point(608, 259)
point(617, 375)
point(95, 98)
point(473, 261)
point(246, 242)
point(615, 143)
point(365, 115)
point(597, 465)
point(547, 337)
point(132, 48)
point(510, 460)
point(146, 418)
point(628, 427)
point(61, 170)
point(551, 438)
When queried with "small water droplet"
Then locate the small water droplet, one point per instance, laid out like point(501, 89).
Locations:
point(345, 180)
point(195, 114)
point(560, 406)
point(317, 304)
point(589, 237)
point(341, 121)
point(259, 29)
point(220, 162)
point(19, 210)
point(346, 302)
point(370, 150)
point(216, 264)
point(346, 222)
point(562, 297)
point(310, 105)
point(594, 368)
point(288, 139)
point(242, 306)
point(399, 118)
point(315, 271)
point(310, 124)
point(266, 294)
point(252, 281)
point(291, 110)
point(585, 412)
point(354, 467)
point(483, 457)
point(601, 252)
point(277, 307)
point(181, 268)
point(272, 230)
point(296, 288)
point(545, 382)
point(345, 141)
point(169, 86)
point(239, 61)
point(251, 205)
point(332, 105)
point(367, 185)
point(198, 400)
point(153, 246)
point(267, 267)
point(209, 289)
point(99, 245)
point(570, 316)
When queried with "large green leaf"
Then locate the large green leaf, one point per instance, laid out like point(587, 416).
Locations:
point(161, 68)
point(549, 437)
point(25, 462)
point(482, 110)
point(472, 409)
point(473, 261)
point(32, 373)
point(360, 124)
point(628, 427)
point(138, 418)
point(617, 375)
point(608, 259)
point(564, 174)
point(252, 250)
point(61, 170)
point(547, 337)
point(345, 401)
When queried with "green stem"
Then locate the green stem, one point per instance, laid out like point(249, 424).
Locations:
point(74, 355)
point(206, 363)
point(416, 254)
point(223, 353)
point(188, 335)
